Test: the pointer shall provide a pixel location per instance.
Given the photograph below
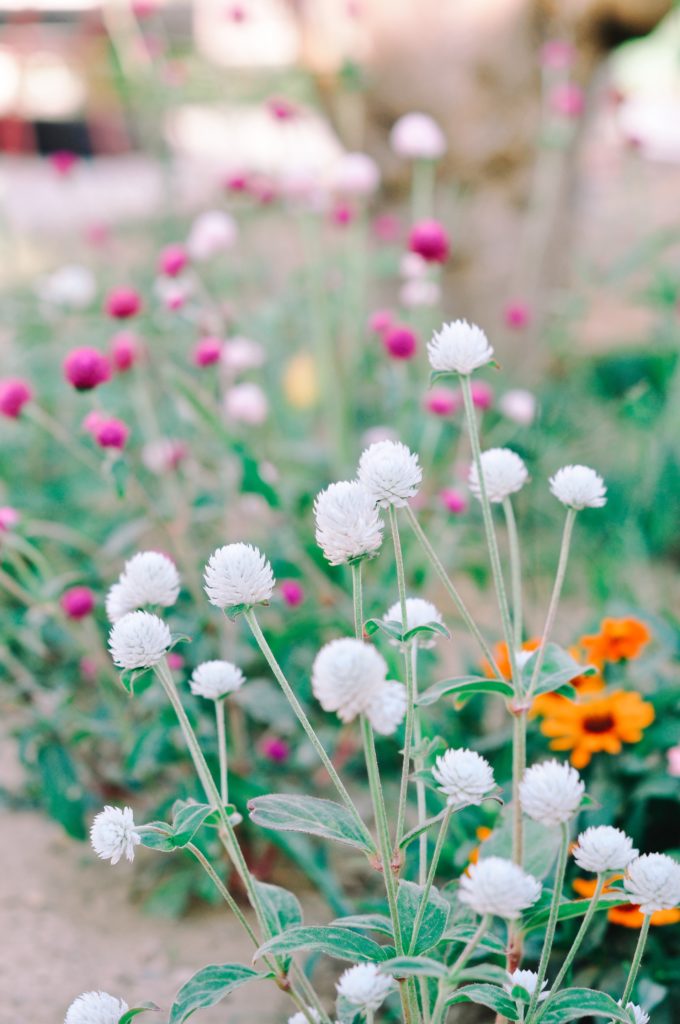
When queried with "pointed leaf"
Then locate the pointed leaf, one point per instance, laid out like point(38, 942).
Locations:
point(291, 813)
point(464, 932)
point(557, 669)
point(281, 908)
point(573, 908)
point(341, 943)
point(486, 995)
point(187, 820)
point(367, 922)
point(413, 966)
point(159, 839)
point(208, 986)
point(133, 1011)
point(428, 628)
point(391, 628)
point(433, 925)
point(423, 827)
point(577, 1003)
point(464, 686)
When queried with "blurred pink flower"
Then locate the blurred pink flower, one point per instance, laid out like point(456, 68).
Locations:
point(122, 303)
point(207, 351)
point(93, 421)
point(673, 756)
point(386, 228)
point(173, 259)
point(88, 669)
point(164, 455)
point(419, 292)
point(400, 341)
point(238, 182)
point(282, 109)
point(482, 394)
point(292, 592)
point(111, 433)
point(380, 321)
point(85, 368)
point(9, 517)
point(355, 174)
point(517, 314)
point(63, 161)
point(442, 401)
point(567, 100)
point(275, 748)
point(125, 350)
point(429, 239)
point(175, 661)
point(453, 500)
point(246, 403)
point(519, 405)
point(341, 215)
point(212, 232)
point(77, 602)
point(14, 394)
point(557, 54)
point(240, 354)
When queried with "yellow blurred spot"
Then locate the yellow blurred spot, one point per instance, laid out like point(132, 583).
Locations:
point(300, 382)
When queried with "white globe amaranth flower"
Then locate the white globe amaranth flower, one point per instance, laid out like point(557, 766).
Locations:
point(417, 136)
point(212, 232)
point(215, 679)
point(300, 1018)
point(652, 881)
point(579, 487)
point(526, 980)
point(149, 578)
point(355, 174)
point(95, 1008)
point(640, 1016)
point(551, 792)
point(118, 602)
point(364, 986)
point(419, 612)
point(348, 524)
point(113, 834)
point(138, 640)
point(72, 286)
point(497, 886)
point(464, 776)
point(604, 848)
point(504, 474)
point(459, 347)
point(345, 675)
point(390, 472)
point(238, 574)
point(386, 708)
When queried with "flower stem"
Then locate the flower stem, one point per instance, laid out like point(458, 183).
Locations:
point(515, 572)
point(637, 960)
point(357, 600)
point(408, 678)
point(224, 892)
point(422, 906)
point(552, 920)
point(439, 1011)
point(519, 740)
point(220, 713)
point(419, 764)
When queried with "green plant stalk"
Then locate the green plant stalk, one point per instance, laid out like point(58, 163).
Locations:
point(451, 591)
point(303, 720)
point(422, 189)
point(444, 988)
point(569, 959)
point(220, 713)
point(357, 600)
point(421, 804)
point(515, 571)
point(637, 960)
point(552, 921)
point(434, 863)
point(408, 678)
point(224, 892)
point(519, 741)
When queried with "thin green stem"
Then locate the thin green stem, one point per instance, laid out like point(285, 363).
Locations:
point(357, 600)
point(552, 920)
point(419, 764)
point(434, 863)
point(637, 960)
point(220, 714)
point(439, 1011)
point(410, 694)
point(519, 737)
point(515, 571)
point(224, 892)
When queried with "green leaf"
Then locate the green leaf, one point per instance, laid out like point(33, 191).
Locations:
point(119, 472)
point(540, 846)
point(491, 973)
point(576, 1003)
point(129, 1014)
point(414, 966)
point(423, 827)
point(464, 686)
point(486, 995)
point(290, 813)
point(558, 668)
point(187, 820)
point(390, 628)
point(341, 943)
point(160, 839)
point(367, 922)
point(208, 986)
point(281, 908)
point(464, 932)
point(435, 918)
point(571, 909)
point(427, 628)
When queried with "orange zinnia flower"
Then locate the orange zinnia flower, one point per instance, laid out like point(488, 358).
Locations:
point(502, 658)
point(598, 723)
point(482, 833)
point(617, 640)
point(628, 915)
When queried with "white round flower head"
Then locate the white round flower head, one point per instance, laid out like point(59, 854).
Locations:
point(579, 487)
point(364, 986)
point(519, 405)
point(418, 613)
point(459, 347)
point(345, 675)
point(215, 679)
point(113, 834)
point(551, 792)
point(390, 472)
point(300, 1018)
point(652, 881)
point(604, 848)
point(138, 640)
point(504, 474)
point(118, 602)
point(639, 1015)
point(464, 776)
point(95, 1008)
point(348, 524)
point(526, 980)
point(238, 574)
point(417, 292)
point(71, 286)
point(417, 136)
point(497, 886)
point(149, 578)
point(386, 708)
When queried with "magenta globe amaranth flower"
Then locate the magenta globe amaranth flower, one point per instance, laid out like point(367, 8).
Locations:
point(482, 394)
point(428, 238)
point(77, 602)
point(125, 350)
point(380, 321)
point(86, 368)
point(400, 342)
point(453, 500)
point(292, 592)
point(173, 259)
point(14, 394)
point(443, 401)
point(122, 303)
point(517, 314)
point(9, 517)
point(111, 433)
point(207, 352)
point(275, 749)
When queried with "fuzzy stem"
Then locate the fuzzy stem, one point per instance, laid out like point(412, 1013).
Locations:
point(419, 764)
point(552, 920)
point(637, 960)
point(357, 600)
point(224, 892)
point(410, 695)
point(220, 713)
point(439, 1012)
point(515, 572)
point(422, 906)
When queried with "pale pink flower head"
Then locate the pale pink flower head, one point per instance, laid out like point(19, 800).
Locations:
point(237, 182)
point(292, 592)
point(557, 54)
point(175, 661)
point(77, 602)
point(443, 401)
point(275, 749)
point(88, 669)
point(420, 293)
point(173, 259)
point(453, 500)
point(355, 174)
point(93, 421)
point(380, 321)
point(517, 314)
point(212, 233)
point(282, 109)
point(242, 354)
point(85, 368)
point(673, 756)
point(482, 394)
point(63, 161)
point(386, 228)
point(111, 433)
point(207, 352)
point(246, 403)
point(164, 455)
point(341, 215)
point(122, 303)
point(400, 341)
point(14, 394)
point(417, 136)
point(428, 238)
point(519, 405)
point(124, 351)
point(143, 9)
point(9, 518)
point(567, 100)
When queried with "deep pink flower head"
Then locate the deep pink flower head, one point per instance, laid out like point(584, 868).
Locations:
point(9, 517)
point(567, 100)
point(387, 228)
point(380, 321)
point(453, 500)
point(207, 352)
point(111, 433)
point(14, 394)
point(517, 314)
point(482, 394)
point(557, 54)
point(292, 592)
point(77, 602)
point(282, 109)
point(175, 661)
point(429, 239)
point(341, 215)
point(275, 748)
point(441, 401)
point(400, 342)
point(173, 259)
point(85, 368)
point(122, 303)
point(63, 161)
point(93, 421)
point(125, 351)
point(238, 182)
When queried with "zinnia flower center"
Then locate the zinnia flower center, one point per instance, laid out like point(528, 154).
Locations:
point(598, 723)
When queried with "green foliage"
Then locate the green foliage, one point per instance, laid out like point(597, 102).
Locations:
point(309, 814)
point(209, 986)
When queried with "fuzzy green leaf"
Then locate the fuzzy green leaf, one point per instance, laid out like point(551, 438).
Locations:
point(281, 908)
point(413, 966)
point(577, 1003)
point(464, 932)
point(486, 995)
point(341, 943)
point(558, 669)
point(464, 686)
point(291, 813)
point(131, 1013)
point(435, 919)
point(367, 922)
point(208, 986)
point(187, 820)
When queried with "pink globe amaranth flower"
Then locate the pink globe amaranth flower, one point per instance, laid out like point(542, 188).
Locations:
point(97, 234)
point(77, 602)
point(380, 321)
point(9, 517)
point(292, 592)
point(400, 342)
point(14, 394)
point(238, 182)
point(282, 109)
point(93, 421)
point(236, 13)
point(122, 303)
point(453, 500)
point(85, 368)
point(517, 314)
point(341, 215)
point(143, 8)
point(429, 239)
point(557, 54)
point(125, 351)
point(63, 161)
point(164, 455)
point(567, 100)
point(441, 401)
point(246, 403)
point(386, 228)
point(88, 669)
point(482, 394)
point(275, 748)
point(111, 433)
point(173, 259)
point(175, 661)
point(207, 352)
point(673, 756)
point(262, 190)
